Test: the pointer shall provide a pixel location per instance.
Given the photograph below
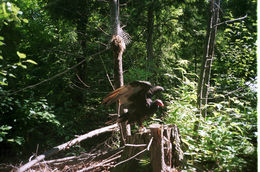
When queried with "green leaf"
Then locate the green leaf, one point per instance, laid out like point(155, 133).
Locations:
point(2, 83)
point(3, 73)
point(1, 43)
point(185, 141)
point(10, 140)
point(19, 140)
point(31, 61)
point(23, 66)
point(5, 127)
point(228, 30)
point(20, 64)
point(25, 21)
point(4, 9)
point(21, 55)
point(11, 75)
point(238, 128)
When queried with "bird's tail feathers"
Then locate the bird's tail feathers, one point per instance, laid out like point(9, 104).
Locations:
point(112, 97)
point(112, 121)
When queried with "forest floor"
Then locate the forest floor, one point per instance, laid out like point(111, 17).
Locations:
point(100, 160)
point(105, 155)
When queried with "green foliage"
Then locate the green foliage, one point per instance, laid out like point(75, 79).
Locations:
point(237, 49)
point(9, 13)
point(39, 39)
point(39, 110)
point(224, 141)
point(4, 131)
point(139, 71)
point(10, 19)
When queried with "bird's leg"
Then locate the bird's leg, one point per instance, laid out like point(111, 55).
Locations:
point(142, 129)
point(122, 133)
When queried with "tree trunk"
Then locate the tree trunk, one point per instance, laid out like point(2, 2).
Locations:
point(118, 47)
point(204, 81)
point(81, 69)
point(157, 150)
point(149, 41)
point(133, 165)
point(161, 143)
point(150, 26)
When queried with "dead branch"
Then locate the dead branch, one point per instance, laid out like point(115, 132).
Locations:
point(82, 81)
point(59, 160)
point(88, 161)
point(103, 163)
point(67, 145)
point(66, 160)
point(229, 21)
point(107, 73)
point(106, 161)
point(136, 145)
point(139, 153)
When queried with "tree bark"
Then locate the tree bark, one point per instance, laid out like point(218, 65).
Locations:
point(118, 47)
point(165, 152)
point(150, 26)
point(205, 72)
point(149, 41)
point(81, 69)
point(132, 164)
point(157, 150)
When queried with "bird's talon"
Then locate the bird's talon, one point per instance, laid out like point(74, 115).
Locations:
point(143, 130)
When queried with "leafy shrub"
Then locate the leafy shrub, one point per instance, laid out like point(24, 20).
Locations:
point(223, 141)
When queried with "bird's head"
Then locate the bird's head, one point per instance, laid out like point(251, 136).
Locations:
point(158, 102)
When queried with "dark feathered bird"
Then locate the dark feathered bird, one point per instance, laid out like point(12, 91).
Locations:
point(136, 98)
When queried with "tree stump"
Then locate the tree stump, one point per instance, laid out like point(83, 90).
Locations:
point(135, 144)
point(161, 144)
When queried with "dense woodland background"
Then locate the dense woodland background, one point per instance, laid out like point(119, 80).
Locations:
point(42, 38)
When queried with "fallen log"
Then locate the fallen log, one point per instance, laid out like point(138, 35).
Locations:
point(67, 145)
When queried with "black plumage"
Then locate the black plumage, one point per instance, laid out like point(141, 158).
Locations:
point(136, 98)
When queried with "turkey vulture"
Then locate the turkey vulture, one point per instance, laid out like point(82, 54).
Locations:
point(136, 97)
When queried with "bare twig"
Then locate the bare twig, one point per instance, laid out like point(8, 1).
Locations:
point(68, 159)
point(136, 145)
point(139, 153)
point(229, 21)
point(74, 86)
point(67, 145)
point(150, 143)
point(104, 162)
point(82, 81)
point(110, 81)
point(59, 162)
point(103, 31)
point(227, 94)
point(57, 75)
point(107, 73)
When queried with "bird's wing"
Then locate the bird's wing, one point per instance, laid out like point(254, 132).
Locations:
point(129, 93)
point(154, 90)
